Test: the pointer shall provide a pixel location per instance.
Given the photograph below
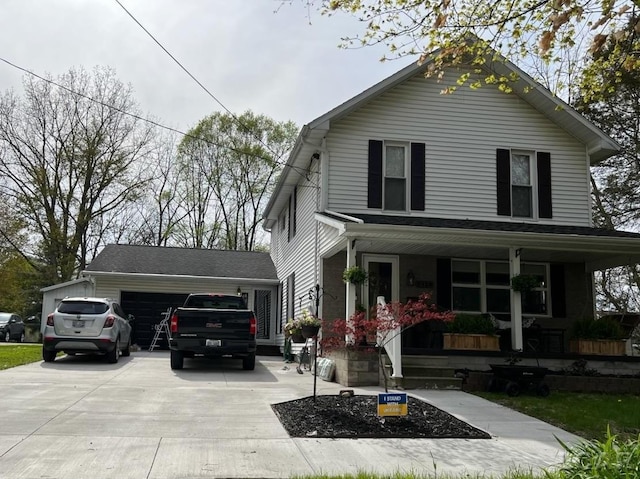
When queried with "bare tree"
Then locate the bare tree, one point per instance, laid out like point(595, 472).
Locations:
point(234, 160)
point(71, 154)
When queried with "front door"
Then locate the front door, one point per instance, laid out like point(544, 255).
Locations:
point(383, 279)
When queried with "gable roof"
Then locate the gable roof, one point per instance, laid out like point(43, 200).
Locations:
point(599, 145)
point(158, 260)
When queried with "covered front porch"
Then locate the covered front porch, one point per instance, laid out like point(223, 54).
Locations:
point(467, 267)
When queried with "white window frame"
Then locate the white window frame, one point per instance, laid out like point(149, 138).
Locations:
point(482, 285)
point(533, 180)
point(407, 186)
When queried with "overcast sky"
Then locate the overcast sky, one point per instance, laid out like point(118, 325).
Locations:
point(251, 54)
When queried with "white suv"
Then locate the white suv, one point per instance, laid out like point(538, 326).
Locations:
point(87, 325)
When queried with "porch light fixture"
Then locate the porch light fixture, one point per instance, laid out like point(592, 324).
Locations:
point(411, 278)
point(239, 292)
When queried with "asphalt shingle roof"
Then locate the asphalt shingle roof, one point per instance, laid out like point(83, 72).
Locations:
point(118, 258)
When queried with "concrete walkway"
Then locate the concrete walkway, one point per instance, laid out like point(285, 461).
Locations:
point(81, 418)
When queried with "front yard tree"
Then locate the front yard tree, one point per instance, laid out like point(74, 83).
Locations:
point(230, 164)
point(519, 29)
point(616, 181)
point(70, 154)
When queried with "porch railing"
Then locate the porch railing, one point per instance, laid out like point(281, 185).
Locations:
point(391, 341)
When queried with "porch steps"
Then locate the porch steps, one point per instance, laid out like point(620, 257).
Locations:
point(424, 372)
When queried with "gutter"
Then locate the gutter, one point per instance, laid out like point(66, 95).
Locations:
point(181, 276)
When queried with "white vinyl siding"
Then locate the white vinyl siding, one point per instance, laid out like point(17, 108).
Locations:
point(462, 132)
point(298, 255)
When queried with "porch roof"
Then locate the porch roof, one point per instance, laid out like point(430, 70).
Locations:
point(596, 247)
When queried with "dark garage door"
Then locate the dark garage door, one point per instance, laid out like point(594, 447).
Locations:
point(148, 309)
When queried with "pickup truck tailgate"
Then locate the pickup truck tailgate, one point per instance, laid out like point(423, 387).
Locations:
point(214, 323)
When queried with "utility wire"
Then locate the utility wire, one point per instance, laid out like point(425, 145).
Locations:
point(277, 160)
point(203, 87)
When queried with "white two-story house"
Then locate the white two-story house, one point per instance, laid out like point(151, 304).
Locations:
point(452, 194)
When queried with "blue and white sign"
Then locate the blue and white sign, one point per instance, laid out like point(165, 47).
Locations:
point(392, 404)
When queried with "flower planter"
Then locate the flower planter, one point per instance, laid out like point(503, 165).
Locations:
point(297, 338)
point(600, 347)
point(481, 342)
point(310, 331)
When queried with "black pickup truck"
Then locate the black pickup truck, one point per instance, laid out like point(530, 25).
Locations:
point(213, 325)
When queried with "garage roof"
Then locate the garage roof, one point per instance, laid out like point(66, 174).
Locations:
point(117, 258)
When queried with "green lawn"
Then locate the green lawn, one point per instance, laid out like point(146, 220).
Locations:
point(17, 354)
point(586, 415)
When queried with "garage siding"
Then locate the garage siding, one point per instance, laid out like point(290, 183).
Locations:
point(147, 298)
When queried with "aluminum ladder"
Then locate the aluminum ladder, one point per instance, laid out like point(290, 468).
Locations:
point(162, 328)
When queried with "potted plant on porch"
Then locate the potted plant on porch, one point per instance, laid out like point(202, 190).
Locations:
point(471, 332)
point(602, 336)
point(524, 283)
point(354, 275)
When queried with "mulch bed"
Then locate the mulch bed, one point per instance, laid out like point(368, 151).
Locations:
point(333, 416)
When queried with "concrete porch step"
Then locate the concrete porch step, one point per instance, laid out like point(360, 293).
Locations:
point(425, 372)
point(426, 382)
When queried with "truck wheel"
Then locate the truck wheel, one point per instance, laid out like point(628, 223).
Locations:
point(249, 362)
point(48, 356)
point(112, 356)
point(177, 359)
point(21, 338)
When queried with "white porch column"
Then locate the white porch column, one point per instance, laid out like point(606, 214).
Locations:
point(516, 302)
point(350, 306)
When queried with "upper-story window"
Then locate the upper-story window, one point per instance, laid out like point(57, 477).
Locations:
point(395, 177)
point(521, 185)
point(523, 182)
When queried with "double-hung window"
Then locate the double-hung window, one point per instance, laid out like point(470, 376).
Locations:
point(395, 177)
point(521, 185)
point(523, 181)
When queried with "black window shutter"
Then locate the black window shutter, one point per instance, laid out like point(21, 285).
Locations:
point(503, 182)
point(417, 176)
point(545, 209)
point(558, 291)
point(443, 283)
point(374, 199)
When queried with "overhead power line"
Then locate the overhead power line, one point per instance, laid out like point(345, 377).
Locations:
point(277, 159)
point(300, 171)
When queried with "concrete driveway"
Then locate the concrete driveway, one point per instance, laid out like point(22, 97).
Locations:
point(81, 418)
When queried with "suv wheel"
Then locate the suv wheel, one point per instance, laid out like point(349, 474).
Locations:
point(249, 362)
point(113, 355)
point(7, 336)
point(177, 359)
point(127, 350)
point(48, 356)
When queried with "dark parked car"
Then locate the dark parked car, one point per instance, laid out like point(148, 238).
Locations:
point(11, 327)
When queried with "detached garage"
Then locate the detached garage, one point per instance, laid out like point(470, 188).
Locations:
point(148, 280)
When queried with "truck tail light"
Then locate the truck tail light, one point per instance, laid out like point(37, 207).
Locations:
point(253, 325)
point(174, 323)
point(50, 320)
point(108, 322)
